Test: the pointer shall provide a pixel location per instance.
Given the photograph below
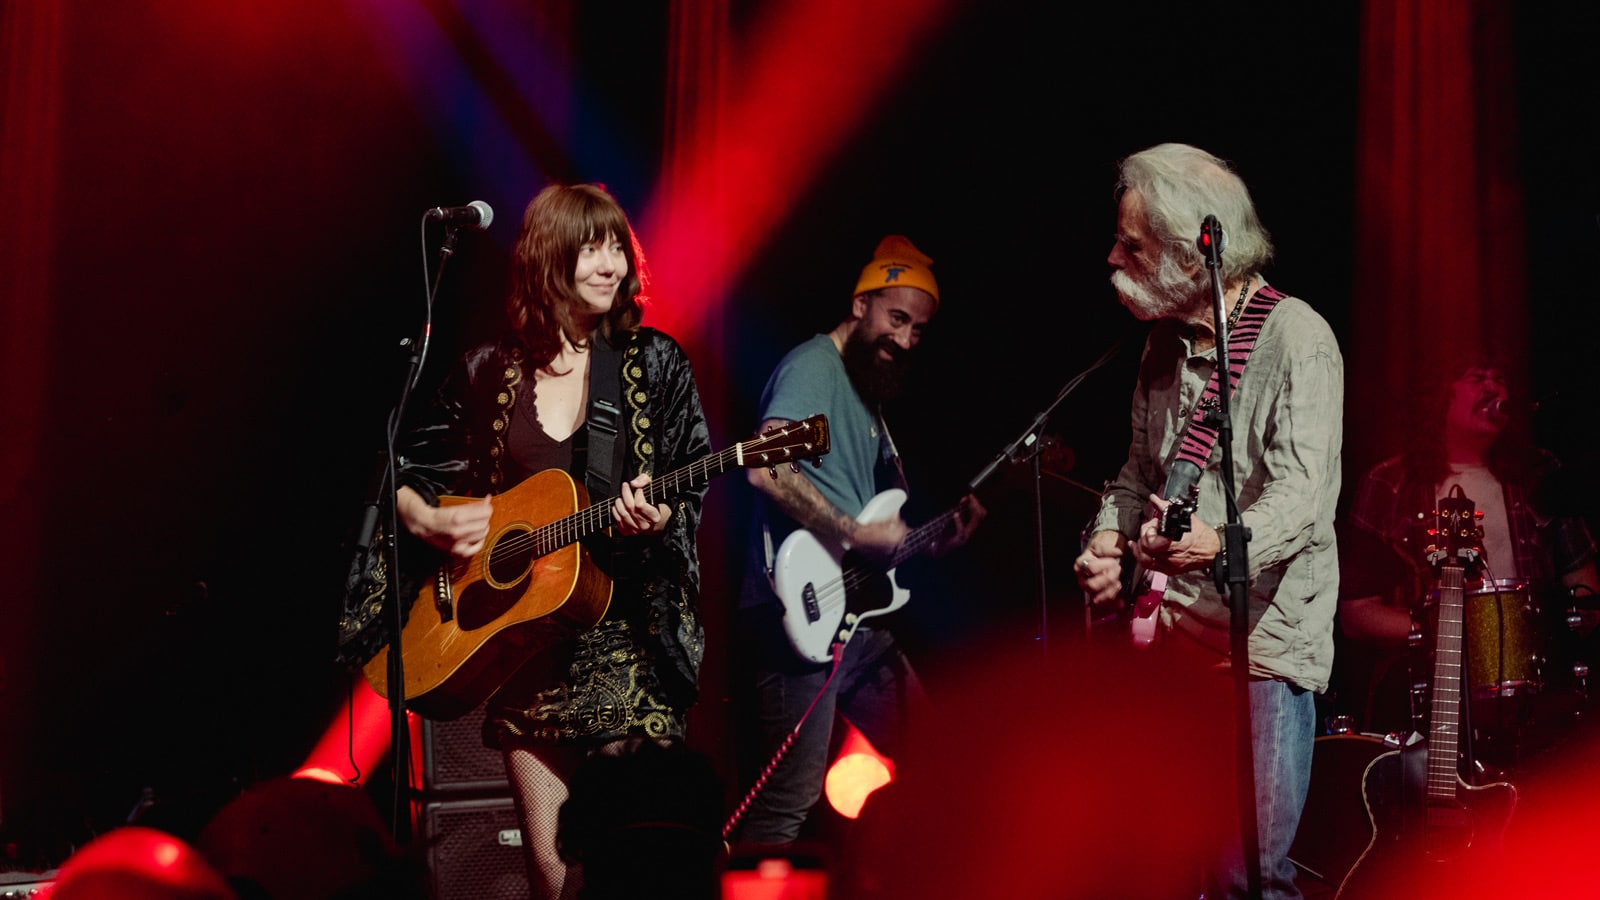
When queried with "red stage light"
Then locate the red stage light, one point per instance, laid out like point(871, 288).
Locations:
point(858, 771)
point(749, 149)
point(135, 863)
point(355, 742)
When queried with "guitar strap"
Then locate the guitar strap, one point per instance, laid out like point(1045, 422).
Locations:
point(604, 465)
point(1200, 432)
point(891, 453)
point(1199, 438)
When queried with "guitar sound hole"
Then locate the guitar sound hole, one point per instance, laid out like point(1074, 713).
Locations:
point(511, 557)
point(508, 561)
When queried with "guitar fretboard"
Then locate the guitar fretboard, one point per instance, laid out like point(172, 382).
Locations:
point(923, 536)
point(1444, 726)
point(801, 440)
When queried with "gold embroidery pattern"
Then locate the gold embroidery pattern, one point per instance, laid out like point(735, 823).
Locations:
point(609, 691)
point(511, 379)
point(638, 399)
point(608, 687)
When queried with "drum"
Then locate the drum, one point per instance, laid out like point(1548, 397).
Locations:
point(1506, 640)
point(1334, 827)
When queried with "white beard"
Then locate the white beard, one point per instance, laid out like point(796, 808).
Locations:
point(1167, 298)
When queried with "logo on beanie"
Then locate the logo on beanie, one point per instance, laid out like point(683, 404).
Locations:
point(898, 263)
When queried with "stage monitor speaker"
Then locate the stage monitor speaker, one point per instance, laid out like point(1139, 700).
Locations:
point(454, 759)
point(475, 849)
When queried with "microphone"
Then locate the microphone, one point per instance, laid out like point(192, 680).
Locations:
point(1208, 228)
point(1501, 408)
point(476, 215)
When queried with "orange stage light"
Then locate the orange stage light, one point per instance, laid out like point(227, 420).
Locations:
point(858, 771)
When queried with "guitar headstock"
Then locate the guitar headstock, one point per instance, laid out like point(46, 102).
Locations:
point(1455, 537)
point(806, 439)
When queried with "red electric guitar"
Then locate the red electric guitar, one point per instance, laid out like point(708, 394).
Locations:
point(1152, 586)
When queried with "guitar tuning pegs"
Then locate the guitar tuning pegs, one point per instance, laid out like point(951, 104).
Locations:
point(816, 462)
point(773, 471)
point(794, 467)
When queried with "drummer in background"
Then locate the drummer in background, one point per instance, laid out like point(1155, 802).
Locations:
point(1461, 437)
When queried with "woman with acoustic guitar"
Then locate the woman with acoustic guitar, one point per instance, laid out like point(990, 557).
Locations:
point(573, 395)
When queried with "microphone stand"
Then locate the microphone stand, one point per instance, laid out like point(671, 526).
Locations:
point(1029, 441)
point(400, 733)
point(1232, 569)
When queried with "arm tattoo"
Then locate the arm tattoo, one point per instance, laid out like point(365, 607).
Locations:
point(794, 494)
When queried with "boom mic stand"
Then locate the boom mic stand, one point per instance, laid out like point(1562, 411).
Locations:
point(1232, 569)
point(383, 504)
point(1030, 441)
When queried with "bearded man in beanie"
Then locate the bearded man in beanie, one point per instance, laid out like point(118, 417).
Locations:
point(846, 374)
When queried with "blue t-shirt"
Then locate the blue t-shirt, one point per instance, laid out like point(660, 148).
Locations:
point(811, 379)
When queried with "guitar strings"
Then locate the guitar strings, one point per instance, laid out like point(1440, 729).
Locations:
point(837, 592)
point(546, 539)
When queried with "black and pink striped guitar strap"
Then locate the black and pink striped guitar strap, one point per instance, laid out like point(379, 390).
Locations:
point(1200, 436)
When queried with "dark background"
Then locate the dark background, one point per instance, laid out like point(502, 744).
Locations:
point(237, 255)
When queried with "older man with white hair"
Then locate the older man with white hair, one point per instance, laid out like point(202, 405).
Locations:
point(1287, 410)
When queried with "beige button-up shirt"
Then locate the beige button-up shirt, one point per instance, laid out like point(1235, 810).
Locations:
point(1288, 417)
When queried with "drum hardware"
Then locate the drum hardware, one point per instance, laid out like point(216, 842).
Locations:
point(1506, 646)
point(1414, 634)
point(1419, 705)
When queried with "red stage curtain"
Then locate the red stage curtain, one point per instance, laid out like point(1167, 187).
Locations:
point(30, 147)
point(1439, 214)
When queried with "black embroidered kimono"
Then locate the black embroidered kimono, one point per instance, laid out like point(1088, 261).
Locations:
point(636, 671)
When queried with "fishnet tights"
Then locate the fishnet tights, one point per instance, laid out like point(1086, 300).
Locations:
point(539, 777)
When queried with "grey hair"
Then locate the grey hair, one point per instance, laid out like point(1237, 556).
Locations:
point(1180, 185)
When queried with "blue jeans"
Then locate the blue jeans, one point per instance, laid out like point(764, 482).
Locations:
point(1283, 719)
point(875, 689)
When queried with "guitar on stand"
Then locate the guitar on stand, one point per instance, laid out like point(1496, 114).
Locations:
point(1427, 822)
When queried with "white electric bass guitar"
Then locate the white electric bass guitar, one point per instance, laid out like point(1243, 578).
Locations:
point(827, 593)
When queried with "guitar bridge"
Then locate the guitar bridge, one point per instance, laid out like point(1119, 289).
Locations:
point(444, 598)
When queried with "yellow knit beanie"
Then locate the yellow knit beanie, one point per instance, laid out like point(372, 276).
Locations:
point(898, 262)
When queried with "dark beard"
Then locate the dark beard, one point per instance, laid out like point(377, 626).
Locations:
point(877, 381)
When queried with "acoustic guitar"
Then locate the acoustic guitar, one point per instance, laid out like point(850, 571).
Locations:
point(1428, 824)
point(479, 619)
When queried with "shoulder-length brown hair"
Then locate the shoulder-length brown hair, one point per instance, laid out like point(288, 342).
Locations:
point(558, 221)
